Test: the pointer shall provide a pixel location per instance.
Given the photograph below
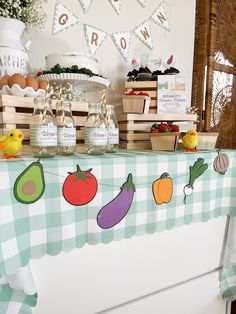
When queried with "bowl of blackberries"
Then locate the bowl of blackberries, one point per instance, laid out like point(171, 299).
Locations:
point(145, 74)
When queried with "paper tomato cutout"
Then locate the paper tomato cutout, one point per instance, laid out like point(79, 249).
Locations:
point(80, 187)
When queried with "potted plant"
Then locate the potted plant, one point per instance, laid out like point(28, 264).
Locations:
point(15, 17)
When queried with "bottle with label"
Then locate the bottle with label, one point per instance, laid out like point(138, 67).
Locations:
point(112, 129)
point(95, 131)
point(43, 131)
point(66, 130)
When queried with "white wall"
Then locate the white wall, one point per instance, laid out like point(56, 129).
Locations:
point(111, 64)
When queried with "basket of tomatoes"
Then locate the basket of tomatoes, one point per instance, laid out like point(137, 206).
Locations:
point(164, 136)
point(136, 102)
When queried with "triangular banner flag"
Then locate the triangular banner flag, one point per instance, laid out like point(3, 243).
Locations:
point(95, 37)
point(144, 34)
point(122, 41)
point(63, 18)
point(159, 17)
point(142, 2)
point(116, 5)
point(85, 5)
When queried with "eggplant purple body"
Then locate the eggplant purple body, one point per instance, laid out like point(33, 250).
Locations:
point(112, 213)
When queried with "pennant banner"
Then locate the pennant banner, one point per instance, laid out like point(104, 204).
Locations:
point(142, 2)
point(144, 34)
point(122, 41)
point(85, 5)
point(160, 18)
point(63, 18)
point(116, 5)
point(95, 37)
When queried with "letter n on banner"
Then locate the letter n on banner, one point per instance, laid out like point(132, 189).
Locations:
point(122, 42)
point(160, 18)
point(63, 18)
point(95, 37)
point(144, 34)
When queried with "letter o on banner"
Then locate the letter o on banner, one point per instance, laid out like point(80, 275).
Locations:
point(123, 43)
point(63, 18)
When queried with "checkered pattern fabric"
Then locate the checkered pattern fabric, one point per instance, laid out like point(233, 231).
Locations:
point(52, 225)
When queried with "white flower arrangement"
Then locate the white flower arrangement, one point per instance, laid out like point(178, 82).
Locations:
point(28, 11)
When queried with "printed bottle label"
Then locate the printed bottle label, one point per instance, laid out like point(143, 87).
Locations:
point(66, 136)
point(95, 136)
point(112, 136)
point(43, 135)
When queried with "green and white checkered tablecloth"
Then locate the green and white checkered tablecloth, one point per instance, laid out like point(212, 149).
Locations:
point(52, 225)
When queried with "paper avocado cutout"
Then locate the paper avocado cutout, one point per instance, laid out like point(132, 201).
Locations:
point(195, 171)
point(80, 187)
point(30, 184)
point(112, 213)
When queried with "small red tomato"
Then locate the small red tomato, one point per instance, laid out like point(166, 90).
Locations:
point(80, 187)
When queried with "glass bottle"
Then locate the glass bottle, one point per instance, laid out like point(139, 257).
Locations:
point(112, 129)
point(66, 130)
point(43, 131)
point(95, 131)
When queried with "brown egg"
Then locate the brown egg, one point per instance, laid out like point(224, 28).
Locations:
point(43, 84)
point(17, 79)
point(4, 80)
point(32, 82)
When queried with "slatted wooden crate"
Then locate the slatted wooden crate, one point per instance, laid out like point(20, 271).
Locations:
point(149, 87)
point(134, 128)
point(16, 112)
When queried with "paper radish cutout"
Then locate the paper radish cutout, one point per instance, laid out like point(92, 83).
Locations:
point(195, 171)
point(162, 189)
point(112, 213)
point(30, 184)
point(80, 187)
point(221, 163)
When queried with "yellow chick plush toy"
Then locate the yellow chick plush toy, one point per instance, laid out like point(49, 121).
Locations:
point(190, 141)
point(11, 144)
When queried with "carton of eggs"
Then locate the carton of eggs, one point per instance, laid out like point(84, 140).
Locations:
point(19, 85)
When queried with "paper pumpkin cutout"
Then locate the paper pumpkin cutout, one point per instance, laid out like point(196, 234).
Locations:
point(160, 18)
point(63, 18)
point(221, 163)
point(122, 42)
point(95, 37)
point(195, 171)
point(80, 187)
point(162, 189)
point(143, 33)
point(112, 213)
point(30, 184)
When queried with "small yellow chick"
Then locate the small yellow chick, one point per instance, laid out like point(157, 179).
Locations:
point(11, 144)
point(190, 141)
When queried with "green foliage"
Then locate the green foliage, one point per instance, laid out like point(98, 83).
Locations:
point(74, 69)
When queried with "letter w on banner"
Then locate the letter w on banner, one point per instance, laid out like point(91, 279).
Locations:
point(122, 41)
point(160, 18)
point(95, 37)
point(144, 34)
point(63, 18)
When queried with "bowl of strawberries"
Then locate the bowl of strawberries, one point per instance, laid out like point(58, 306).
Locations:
point(164, 136)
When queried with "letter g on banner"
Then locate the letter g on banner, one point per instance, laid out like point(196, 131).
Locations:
point(63, 18)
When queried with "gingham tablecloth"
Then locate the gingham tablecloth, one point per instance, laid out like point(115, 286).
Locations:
point(52, 225)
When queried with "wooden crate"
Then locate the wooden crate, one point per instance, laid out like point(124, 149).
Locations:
point(134, 128)
point(149, 87)
point(16, 112)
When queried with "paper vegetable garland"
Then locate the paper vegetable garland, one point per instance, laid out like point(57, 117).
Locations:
point(162, 189)
point(63, 18)
point(30, 184)
point(80, 187)
point(221, 163)
point(112, 213)
point(195, 171)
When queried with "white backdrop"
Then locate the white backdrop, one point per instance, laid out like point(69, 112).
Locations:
point(111, 64)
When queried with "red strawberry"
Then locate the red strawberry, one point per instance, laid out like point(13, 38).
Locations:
point(132, 93)
point(154, 131)
point(165, 128)
point(174, 128)
point(143, 94)
point(39, 73)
